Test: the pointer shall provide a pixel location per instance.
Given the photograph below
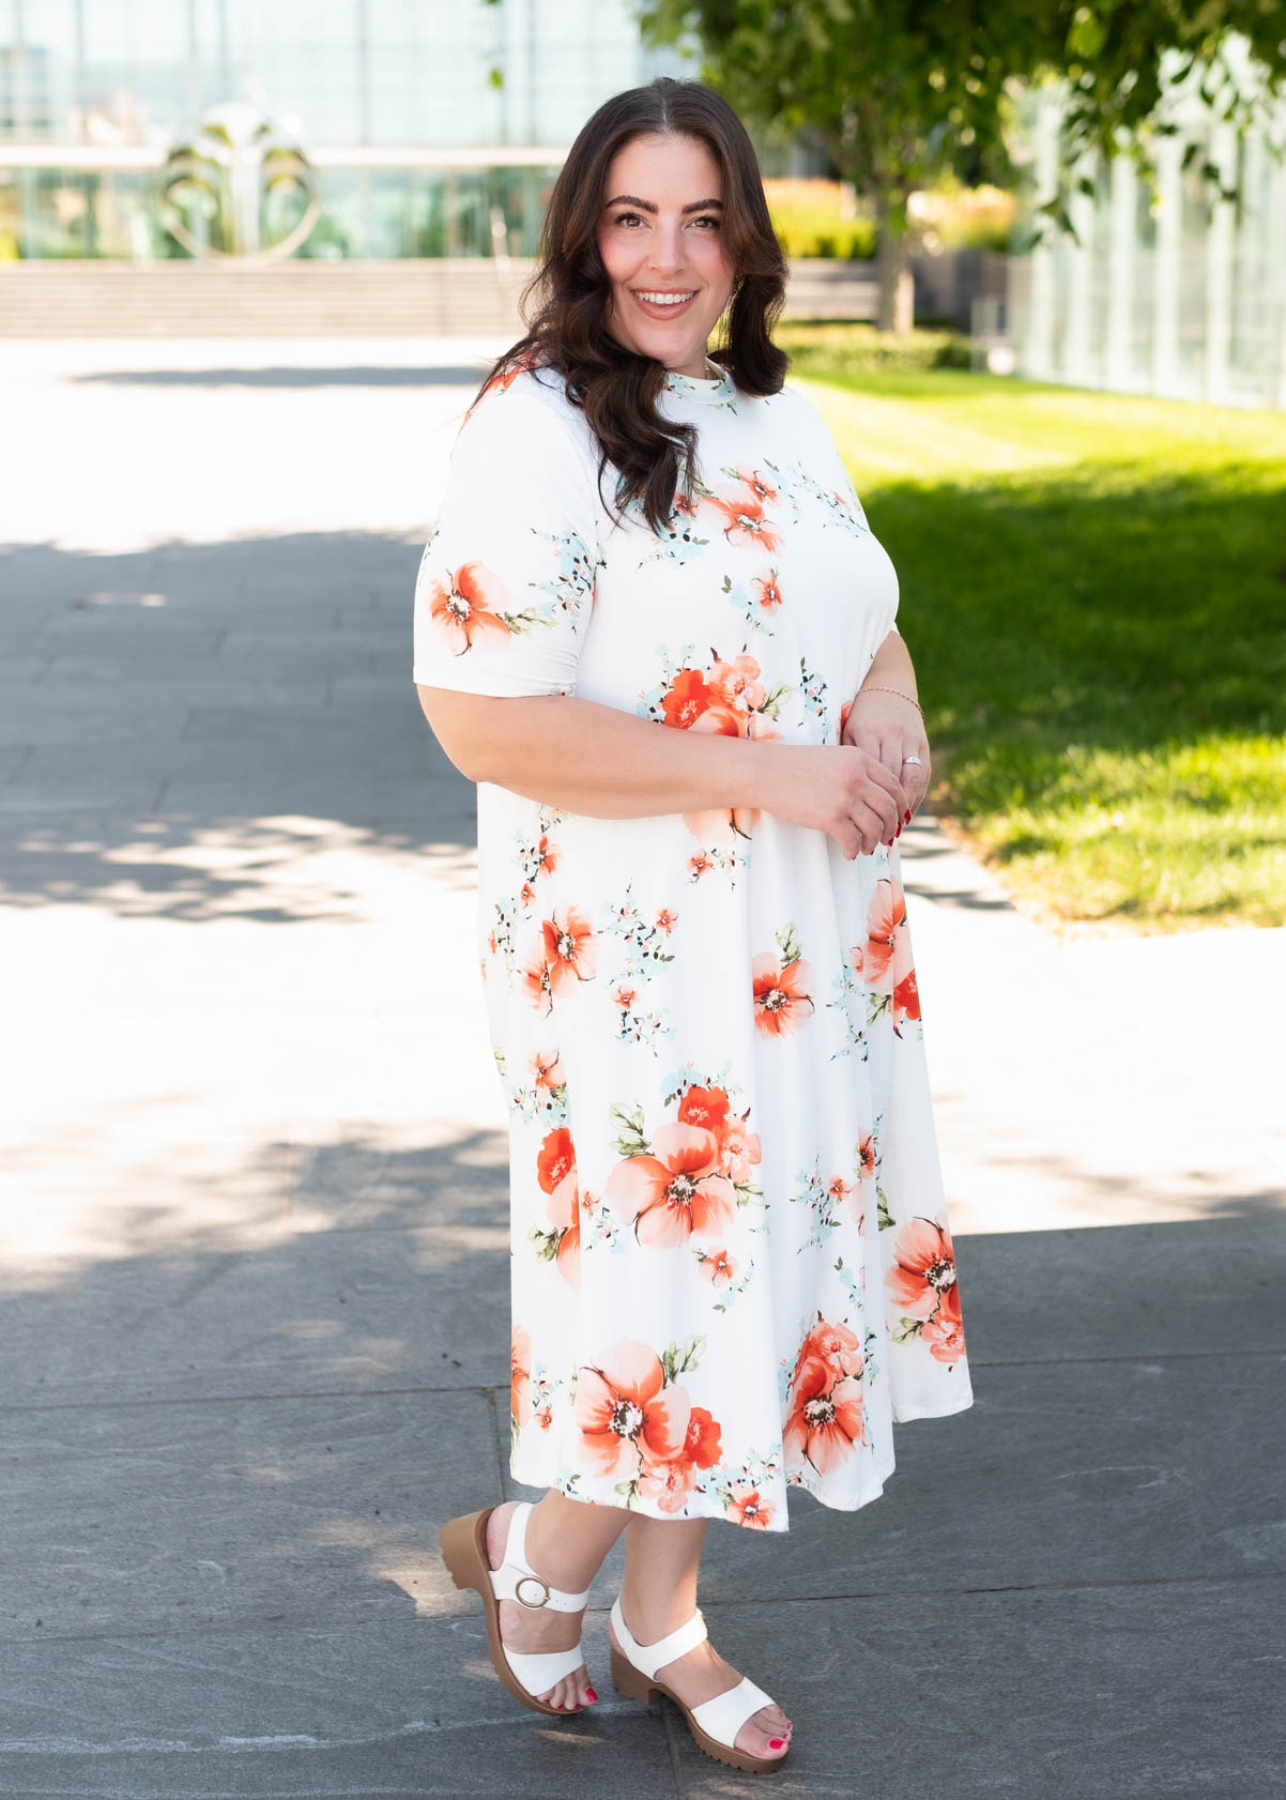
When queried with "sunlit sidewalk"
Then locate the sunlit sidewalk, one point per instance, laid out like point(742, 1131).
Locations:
point(254, 1245)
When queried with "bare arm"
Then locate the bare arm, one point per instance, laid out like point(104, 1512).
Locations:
point(607, 763)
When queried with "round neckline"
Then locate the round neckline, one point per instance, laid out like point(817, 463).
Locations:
point(704, 388)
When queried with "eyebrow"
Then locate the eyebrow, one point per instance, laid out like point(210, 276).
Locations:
point(649, 206)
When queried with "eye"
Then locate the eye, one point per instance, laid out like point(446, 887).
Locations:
point(622, 217)
point(707, 219)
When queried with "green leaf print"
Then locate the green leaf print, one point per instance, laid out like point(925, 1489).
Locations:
point(676, 1361)
point(632, 1139)
point(788, 943)
point(906, 1328)
point(876, 1007)
point(775, 699)
point(630, 1489)
point(545, 1243)
point(882, 1209)
point(526, 620)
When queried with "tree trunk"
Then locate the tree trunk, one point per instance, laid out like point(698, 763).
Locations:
point(897, 288)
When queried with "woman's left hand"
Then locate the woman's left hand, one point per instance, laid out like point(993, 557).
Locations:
point(889, 727)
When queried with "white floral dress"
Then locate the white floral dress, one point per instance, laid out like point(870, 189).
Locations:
point(731, 1262)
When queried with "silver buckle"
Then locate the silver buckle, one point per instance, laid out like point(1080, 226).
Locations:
point(518, 1587)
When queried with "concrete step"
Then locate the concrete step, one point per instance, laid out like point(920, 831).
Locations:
point(401, 297)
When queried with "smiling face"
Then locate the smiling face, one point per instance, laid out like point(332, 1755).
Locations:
point(659, 235)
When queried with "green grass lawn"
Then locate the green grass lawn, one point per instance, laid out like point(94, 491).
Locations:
point(1093, 588)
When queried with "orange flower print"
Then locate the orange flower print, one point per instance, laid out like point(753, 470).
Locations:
point(923, 1283)
point(466, 607)
point(840, 1190)
point(758, 484)
point(737, 683)
point(565, 952)
point(717, 1266)
point(944, 1332)
point(781, 984)
point(730, 700)
point(826, 1414)
point(676, 1191)
point(628, 1418)
point(766, 592)
point(866, 1155)
point(701, 1441)
point(746, 1507)
point(745, 521)
point(519, 1373)
point(556, 1174)
point(705, 1106)
point(739, 1146)
point(503, 379)
point(833, 1344)
point(547, 1067)
point(885, 962)
point(686, 699)
point(668, 1483)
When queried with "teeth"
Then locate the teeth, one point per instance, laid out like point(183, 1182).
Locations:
point(667, 299)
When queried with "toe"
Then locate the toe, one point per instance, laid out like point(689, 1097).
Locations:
point(766, 1733)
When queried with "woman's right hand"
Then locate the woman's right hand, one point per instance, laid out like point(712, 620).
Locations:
point(838, 789)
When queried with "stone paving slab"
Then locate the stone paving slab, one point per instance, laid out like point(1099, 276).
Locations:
point(401, 1708)
point(1089, 1693)
point(1080, 1693)
point(308, 1510)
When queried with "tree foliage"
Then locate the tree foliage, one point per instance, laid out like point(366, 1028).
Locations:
point(901, 92)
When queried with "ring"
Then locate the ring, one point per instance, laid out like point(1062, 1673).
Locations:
point(912, 759)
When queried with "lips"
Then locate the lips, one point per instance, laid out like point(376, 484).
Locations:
point(665, 309)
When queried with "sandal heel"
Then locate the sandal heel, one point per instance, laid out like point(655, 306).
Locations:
point(628, 1680)
point(457, 1545)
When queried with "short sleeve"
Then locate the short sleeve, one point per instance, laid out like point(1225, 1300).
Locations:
point(506, 581)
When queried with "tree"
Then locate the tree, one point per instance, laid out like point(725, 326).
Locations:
point(901, 92)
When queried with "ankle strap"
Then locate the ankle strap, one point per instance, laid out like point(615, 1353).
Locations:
point(515, 1579)
point(648, 1658)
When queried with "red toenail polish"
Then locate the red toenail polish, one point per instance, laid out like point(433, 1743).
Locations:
point(591, 1693)
point(775, 1743)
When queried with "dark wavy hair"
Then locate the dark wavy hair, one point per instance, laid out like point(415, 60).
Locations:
point(615, 387)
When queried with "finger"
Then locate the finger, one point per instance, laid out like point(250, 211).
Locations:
point(917, 784)
point(892, 782)
point(846, 836)
point(881, 804)
point(871, 828)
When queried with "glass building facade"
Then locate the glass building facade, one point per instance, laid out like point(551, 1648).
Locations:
point(424, 121)
point(1182, 294)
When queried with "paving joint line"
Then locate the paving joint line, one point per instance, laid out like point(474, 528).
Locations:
point(212, 1628)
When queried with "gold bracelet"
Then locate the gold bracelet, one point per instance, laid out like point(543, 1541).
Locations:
point(876, 688)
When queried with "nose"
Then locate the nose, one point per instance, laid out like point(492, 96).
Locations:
point(667, 249)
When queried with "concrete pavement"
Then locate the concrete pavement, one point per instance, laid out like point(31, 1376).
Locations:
point(253, 1256)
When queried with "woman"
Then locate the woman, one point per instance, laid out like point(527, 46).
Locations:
point(652, 624)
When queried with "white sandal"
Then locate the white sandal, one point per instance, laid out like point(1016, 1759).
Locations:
point(526, 1673)
point(714, 1723)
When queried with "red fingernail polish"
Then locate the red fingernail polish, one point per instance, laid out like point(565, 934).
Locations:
point(775, 1743)
point(907, 820)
